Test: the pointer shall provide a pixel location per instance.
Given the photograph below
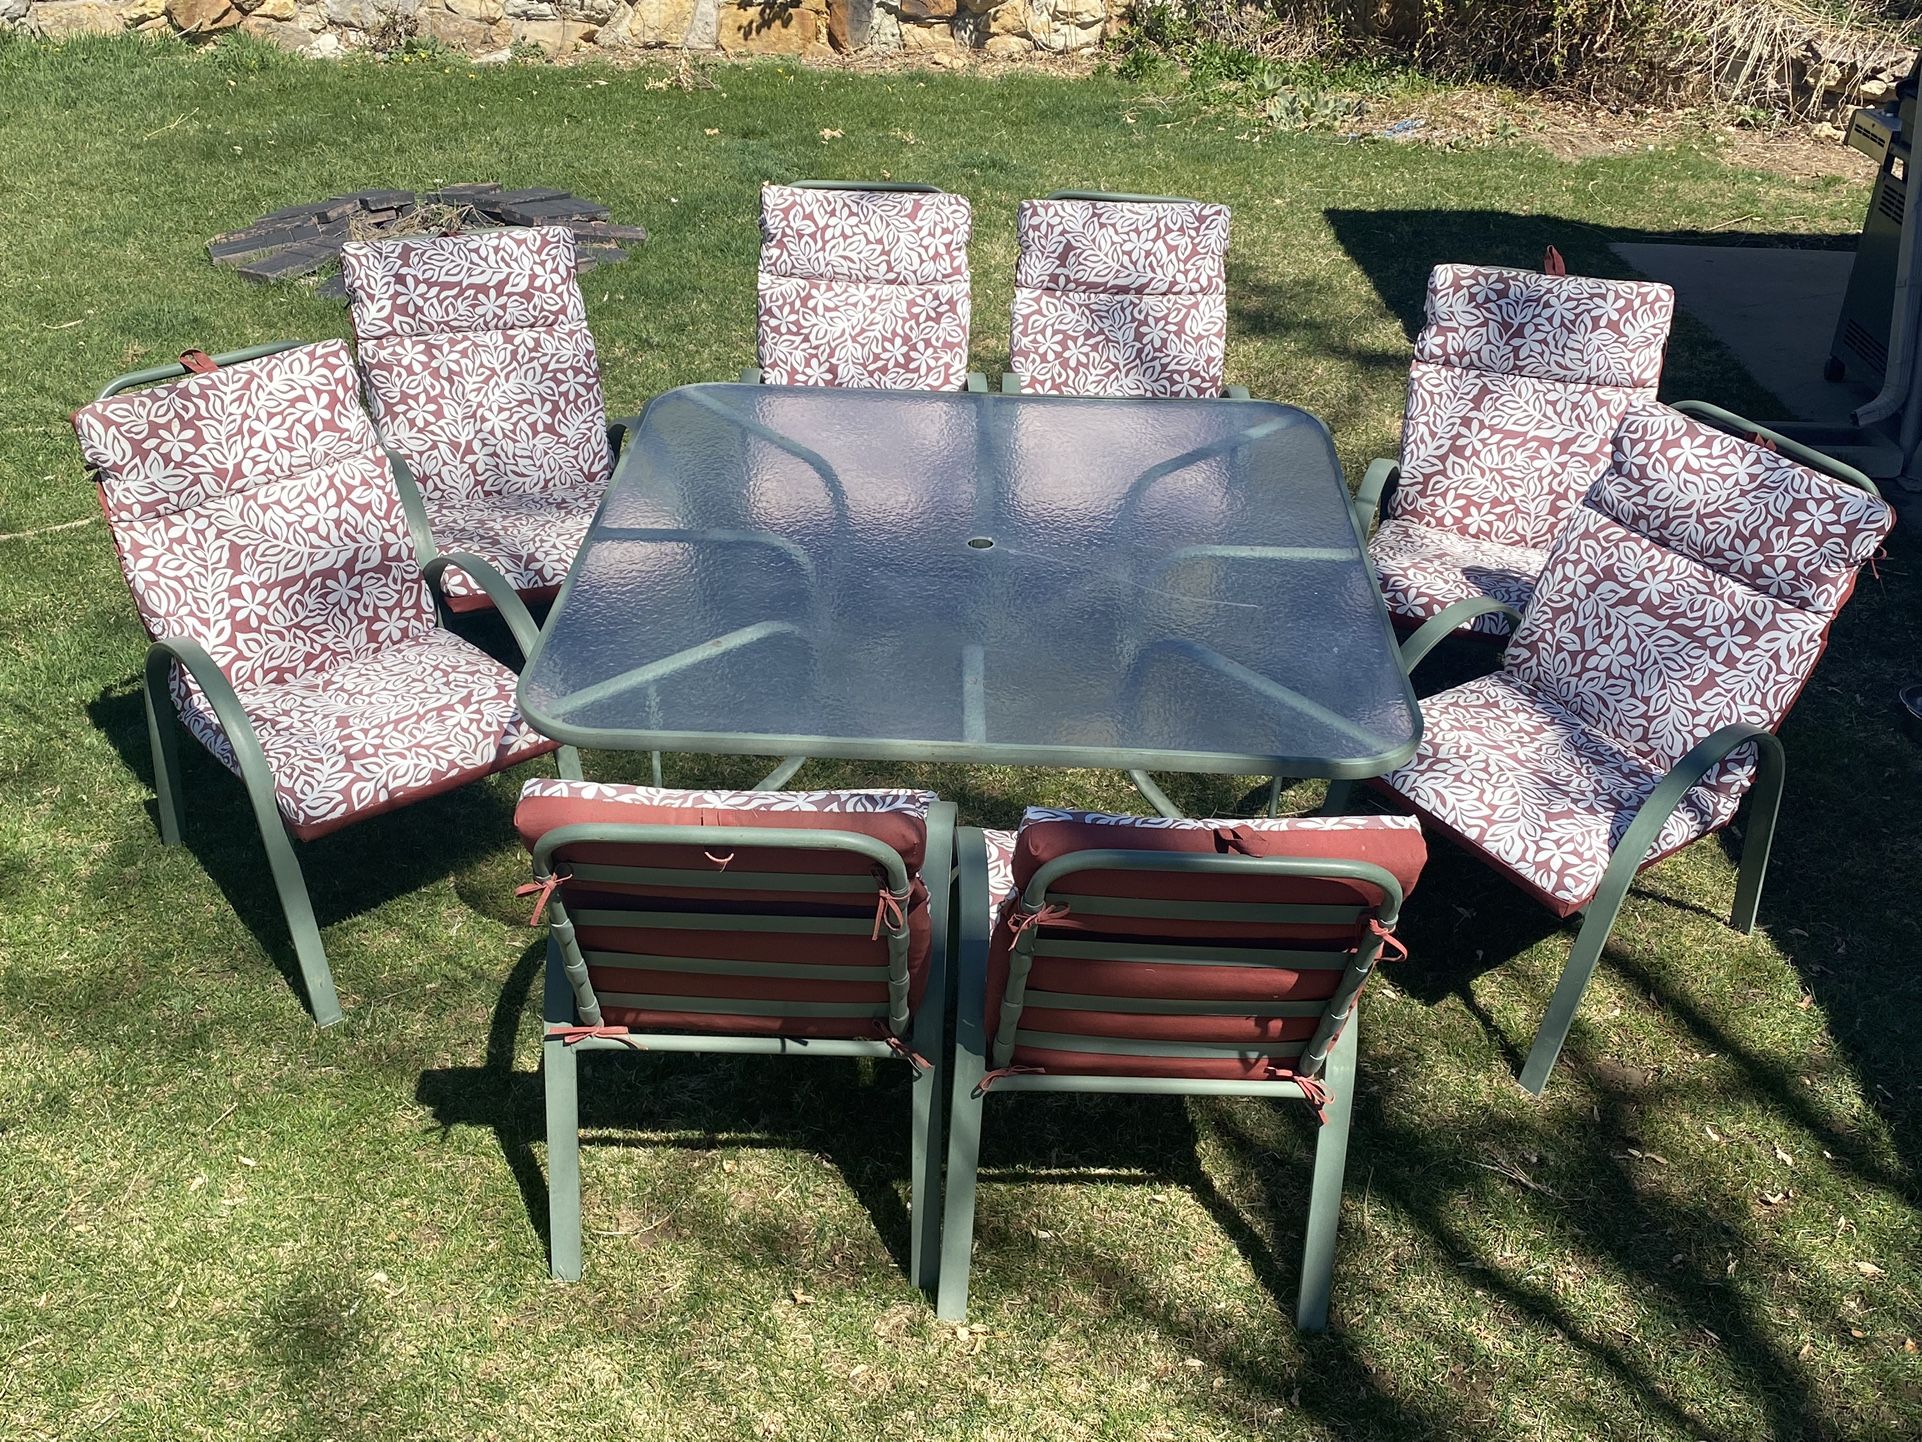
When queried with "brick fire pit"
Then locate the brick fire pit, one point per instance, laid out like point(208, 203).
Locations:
point(304, 241)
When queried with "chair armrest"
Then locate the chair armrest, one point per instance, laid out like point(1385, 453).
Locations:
point(499, 590)
point(413, 507)
point(1626, 859)
point(1797, 451)
point(1237, 393)
point(1446, 622)
point(977, 383)
point(1010, 383)
point(234, 721)
point(1376, 489)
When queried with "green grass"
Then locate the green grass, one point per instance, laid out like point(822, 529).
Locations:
point(221, 1222)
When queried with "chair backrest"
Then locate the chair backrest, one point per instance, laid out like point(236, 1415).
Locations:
point(736, 912)
point(1517, 385)
point(1144, 946)
point(1121, 297)
point(864, 287)
point(1693, 588)
point(254, 512)
point(479, 364)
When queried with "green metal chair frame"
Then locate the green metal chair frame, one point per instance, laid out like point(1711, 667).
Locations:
point(1010, 380)
point(751, 375)
point(1378, 484)
point(1763, 804)
point(1328, 1055)
point(570, 1001)
point(164, 742)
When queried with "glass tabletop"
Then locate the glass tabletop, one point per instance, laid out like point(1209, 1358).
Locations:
point(1031, 580)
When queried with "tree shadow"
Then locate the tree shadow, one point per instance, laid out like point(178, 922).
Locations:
point(348, 873)
point(849, 1111)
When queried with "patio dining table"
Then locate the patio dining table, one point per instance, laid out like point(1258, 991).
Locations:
point(1025, 580)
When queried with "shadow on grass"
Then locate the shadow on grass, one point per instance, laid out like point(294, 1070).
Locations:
point(852, 1113)
point(348, 873)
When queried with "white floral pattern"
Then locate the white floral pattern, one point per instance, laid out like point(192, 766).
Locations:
point(253, 512)
point(1423, 569)
point(1518, 383)
point(483, 378)
point(864, 288)
point(1121, 298)
point(1654, 625)
point(877, 799)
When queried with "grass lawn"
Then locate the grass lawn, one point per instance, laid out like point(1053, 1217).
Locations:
point(222, 1222)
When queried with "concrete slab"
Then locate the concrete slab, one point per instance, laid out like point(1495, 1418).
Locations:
point(1775, 309)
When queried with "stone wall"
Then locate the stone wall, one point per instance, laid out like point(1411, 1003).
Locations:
point(941, 31)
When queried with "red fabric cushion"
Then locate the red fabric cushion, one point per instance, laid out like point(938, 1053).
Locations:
point(546, 805)
point(1393, 843)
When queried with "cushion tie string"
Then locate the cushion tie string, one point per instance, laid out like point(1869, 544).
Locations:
point(1232, 838)
point(1552, 262)
point(720, 861)
point(888, 908)
point(988, 1079)
point(198, 362)
point(1392, 948)
point(1880, 553)
point(1049, 913)
point(922, 1066)
point(569, 1035)
point(1316, 1095)
point(546, 891)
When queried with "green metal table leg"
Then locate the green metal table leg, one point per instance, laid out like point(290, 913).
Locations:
point(1273, 807)
point(1157, 798)
point(1324, 1200)
point(560, 1081)
point(782, 774)
point(567, 763)
point(654, 767)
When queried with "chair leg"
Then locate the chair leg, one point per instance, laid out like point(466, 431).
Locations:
point(315, 974)
point(957, 1212)
point(163, 739)
point(1764, 805)
point(567, 763)
point(1553, 1032)
point(924, 1180)
point(560, 1081)
point(1324, 1199)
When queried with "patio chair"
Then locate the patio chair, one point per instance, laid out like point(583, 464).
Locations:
point(1120, 295)
point(1147, 955)
point(483, 381)
point(294, 635)
point(864, 284)
point(1680, 613)
point(793, 923)
point(1517, 384)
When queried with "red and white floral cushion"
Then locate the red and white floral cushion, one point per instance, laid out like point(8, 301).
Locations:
point(531, 540)
point(483, 378)
point(254, 512)
point(1518, 383)
point(1121, 298)
point(1693, 590)
point(1423, 569)
point(871, 800)
point(864, 288)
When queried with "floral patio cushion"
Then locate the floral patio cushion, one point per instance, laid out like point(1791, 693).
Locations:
point(254, 512)
point(1423, 569)
point(1121, 298)
point(1518, 382)
point(864, 288)
point(532, 540)
point(1693, 589)
point(483, 378)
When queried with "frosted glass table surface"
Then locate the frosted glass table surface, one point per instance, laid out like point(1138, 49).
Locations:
point(1032, 580)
